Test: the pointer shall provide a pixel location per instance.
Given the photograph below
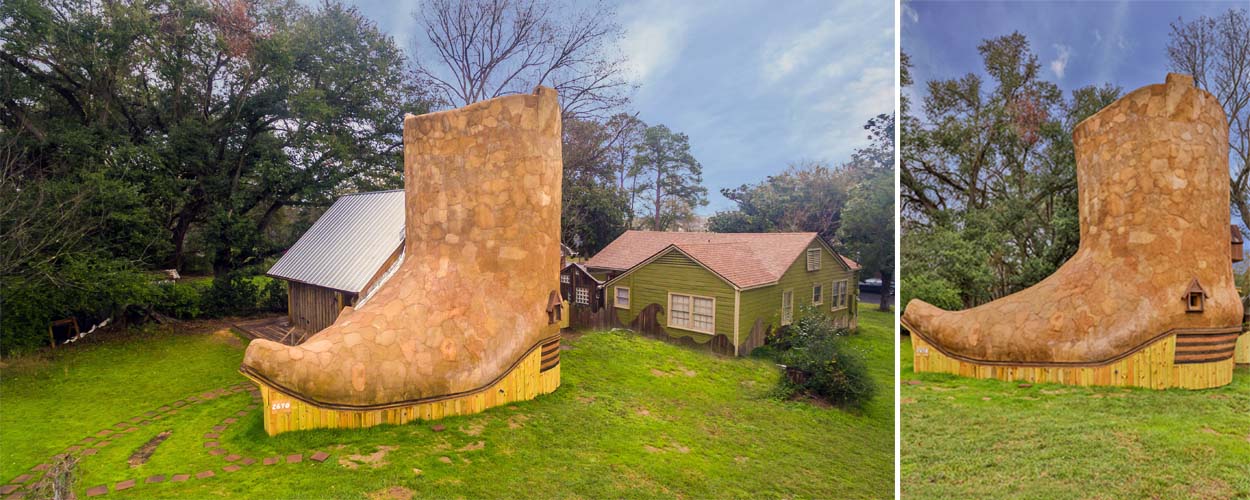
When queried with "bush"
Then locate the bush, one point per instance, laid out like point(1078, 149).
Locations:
point(934, 290)
point(82, 286)
point(822, 363)
point(182, 300)
point(234, 294)
point(274, 293)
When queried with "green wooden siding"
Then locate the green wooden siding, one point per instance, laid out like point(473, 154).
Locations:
point(765, 303)
point(676, 273)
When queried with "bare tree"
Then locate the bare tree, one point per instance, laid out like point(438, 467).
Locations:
point(1216, 51)
point(480, 49)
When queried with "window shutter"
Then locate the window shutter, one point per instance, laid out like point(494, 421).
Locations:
point(813, 259)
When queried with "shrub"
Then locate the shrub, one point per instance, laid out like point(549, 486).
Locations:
point(182, 300)
point(931, 289)
point(822, 363)
point(81, 286)
point(274, 293)
point(233, 294)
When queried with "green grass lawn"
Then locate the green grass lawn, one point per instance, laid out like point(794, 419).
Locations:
point(633, 418)
point(966, 438)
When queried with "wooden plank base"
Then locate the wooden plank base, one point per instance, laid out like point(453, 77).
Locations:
point(1152, 367)
point(1243, 349)
point(526, 381)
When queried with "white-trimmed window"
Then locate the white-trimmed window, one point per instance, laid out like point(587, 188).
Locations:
point(840, 296)
point(692, 312)
point(582, 295)
point(813, 259)
point(566, 279)
point(621, 294)
point(818, 294)
point(787, 307)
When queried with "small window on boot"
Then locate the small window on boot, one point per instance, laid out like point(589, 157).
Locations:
point(1195, 297)
point(555, 306)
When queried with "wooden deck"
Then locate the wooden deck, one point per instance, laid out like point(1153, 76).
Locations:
point(277, 329)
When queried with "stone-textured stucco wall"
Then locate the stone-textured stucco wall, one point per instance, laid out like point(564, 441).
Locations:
point(483, 194)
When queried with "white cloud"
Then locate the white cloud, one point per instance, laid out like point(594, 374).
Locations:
point(910, 13)
point(655, 35)
point(1060, 63)
point(783, 57)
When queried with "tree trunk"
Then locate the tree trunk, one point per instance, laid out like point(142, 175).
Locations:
point(658, 191)
point(179, 241)
point(887, 290)
point(633, 200)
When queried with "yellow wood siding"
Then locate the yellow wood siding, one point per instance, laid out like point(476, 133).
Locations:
point(675, 273)
point(765, 303)
point(1152, 367)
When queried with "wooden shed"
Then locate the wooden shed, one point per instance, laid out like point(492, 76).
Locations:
point(584, 294)
point(342, 258)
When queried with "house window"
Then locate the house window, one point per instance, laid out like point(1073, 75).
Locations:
point(818, 295)
point(840, 296)
point(582, 295)
point(564, 278)
point(787, 307)
point(813, 259)
point(622, 297)
point(691, 312)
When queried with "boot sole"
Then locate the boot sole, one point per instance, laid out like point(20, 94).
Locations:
point(1186, 359)
point(536, 373)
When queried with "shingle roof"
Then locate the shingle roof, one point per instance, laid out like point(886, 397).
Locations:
point(347, 246)
point(744, 259)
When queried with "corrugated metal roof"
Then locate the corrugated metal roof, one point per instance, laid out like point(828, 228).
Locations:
point(348, 244)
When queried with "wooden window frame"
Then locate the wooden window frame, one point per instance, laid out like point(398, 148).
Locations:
point(577, 295)
point(841, 295)
point(566, 279)
point(616, 297)
point(818, 253)
point(818, 299)
point(668, 318)
point(787, 317)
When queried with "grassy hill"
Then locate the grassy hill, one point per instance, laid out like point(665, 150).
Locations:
point(633, 418)
point(966, 438)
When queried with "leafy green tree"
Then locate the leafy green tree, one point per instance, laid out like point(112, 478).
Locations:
point(866, 231)
point(991, 171)
point(133, 135)
point(674, 178)
point(595, 210)
point(807, 197)
point(208, 115)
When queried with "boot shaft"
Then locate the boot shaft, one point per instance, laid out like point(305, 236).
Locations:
point(1152, 173)
point(482, 186)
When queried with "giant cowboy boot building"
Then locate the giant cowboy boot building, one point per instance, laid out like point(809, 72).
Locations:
point(1148, 299)
point(470, 318)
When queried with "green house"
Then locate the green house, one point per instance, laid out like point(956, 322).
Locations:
point(722, 291)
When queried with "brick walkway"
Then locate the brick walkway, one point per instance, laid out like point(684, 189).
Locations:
point(21, 485)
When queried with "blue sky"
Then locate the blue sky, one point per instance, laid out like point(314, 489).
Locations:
point(756, 85)
point(1077, 43)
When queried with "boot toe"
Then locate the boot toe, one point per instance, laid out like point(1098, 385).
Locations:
point(923, 316)
point(277, 363)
